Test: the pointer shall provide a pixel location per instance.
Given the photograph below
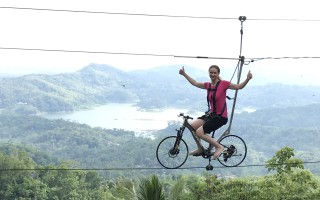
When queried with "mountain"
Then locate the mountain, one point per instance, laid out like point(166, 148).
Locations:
point(153, 88)
point(265, 132)
point(277, 95)
point(285, 115)
point(94, 84)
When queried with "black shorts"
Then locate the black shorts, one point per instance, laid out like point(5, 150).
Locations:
point(212, 123)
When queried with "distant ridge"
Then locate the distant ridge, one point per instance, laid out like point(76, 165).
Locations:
point(158, 87)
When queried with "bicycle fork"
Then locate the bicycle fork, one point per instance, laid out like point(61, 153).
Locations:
point(176, 148)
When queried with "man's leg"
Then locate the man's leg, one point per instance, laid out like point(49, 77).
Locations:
point(210, 140)
point(196, 124)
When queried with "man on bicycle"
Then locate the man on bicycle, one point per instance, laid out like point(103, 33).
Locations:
point(217, 114)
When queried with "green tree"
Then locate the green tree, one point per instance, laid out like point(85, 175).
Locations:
point(283, 161)
point(64, 183)
point(150, 189)
point(179, 190)
point(200, 187)
point(122, 188)
point(291, 180)
point(17, 179)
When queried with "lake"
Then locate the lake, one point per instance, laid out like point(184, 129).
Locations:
point(121, 116)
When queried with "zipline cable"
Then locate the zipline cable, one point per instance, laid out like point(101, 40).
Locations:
point(117, 13)
point(281, 58)
point(153, 15)
point(116, 53)
point(150, 168)
point(247, 60)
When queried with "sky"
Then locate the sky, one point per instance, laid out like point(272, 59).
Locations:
point(148, 28)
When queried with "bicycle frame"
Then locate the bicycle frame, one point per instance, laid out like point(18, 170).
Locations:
point(192, 130)
point(187, 125)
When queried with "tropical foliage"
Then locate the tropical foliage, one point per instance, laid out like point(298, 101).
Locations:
point(57, 159)
point(22, 178)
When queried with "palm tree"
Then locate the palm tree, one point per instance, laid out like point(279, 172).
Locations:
point(177, 190)
point(150, 189)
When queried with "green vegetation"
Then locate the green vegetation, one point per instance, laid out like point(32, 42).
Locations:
point(155, 88)
point(88, 147)
point(32, 94)
point(57, 159)
point(57, 153)
point(52, 141)
point(61, 182)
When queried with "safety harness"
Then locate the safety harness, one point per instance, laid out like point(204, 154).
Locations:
point(214, 99)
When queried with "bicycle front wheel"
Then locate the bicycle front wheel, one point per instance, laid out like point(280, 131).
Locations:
point(235, 151)
point(172, 152)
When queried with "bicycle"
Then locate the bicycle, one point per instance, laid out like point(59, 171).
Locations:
point(172, 152)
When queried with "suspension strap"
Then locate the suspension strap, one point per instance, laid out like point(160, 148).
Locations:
point(213, 97)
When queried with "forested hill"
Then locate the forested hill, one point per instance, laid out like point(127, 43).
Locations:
point(265, 132)
point(153, 88)
point(93, 84)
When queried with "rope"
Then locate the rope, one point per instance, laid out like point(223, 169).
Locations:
point(280, 58)
point(116, 13)
point(119, 53)
point(153, 15)
point(149, 168)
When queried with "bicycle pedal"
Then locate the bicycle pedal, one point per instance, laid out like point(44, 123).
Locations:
point(197, 154)
point(209, 167)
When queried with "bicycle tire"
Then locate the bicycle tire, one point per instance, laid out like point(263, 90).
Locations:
point(235, 151)
point(169, 157)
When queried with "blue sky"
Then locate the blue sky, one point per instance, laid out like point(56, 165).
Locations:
point(291, 31)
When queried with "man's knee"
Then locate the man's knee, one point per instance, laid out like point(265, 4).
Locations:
point(199, 131)
point(197, 123)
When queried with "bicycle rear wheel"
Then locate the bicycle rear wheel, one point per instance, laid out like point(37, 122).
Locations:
point(235, 151)
point(172, 156)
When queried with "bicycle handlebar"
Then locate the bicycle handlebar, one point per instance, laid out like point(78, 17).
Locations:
point(185, 116)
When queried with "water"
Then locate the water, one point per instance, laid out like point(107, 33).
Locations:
point(121, 116)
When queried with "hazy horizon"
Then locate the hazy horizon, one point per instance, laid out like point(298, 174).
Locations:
point(261, 77)
point(49, 37)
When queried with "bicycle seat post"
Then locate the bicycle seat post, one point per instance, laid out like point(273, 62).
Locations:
point(212, 133)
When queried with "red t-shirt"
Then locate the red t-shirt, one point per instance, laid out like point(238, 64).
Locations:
point(221, 95)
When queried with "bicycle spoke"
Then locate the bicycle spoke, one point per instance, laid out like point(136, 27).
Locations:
point(169, 156)
point(235, 151)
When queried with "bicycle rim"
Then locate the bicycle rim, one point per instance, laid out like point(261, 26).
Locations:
point(169, 156)
point(235, 151)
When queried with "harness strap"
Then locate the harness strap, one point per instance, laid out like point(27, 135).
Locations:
point(213, 97)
